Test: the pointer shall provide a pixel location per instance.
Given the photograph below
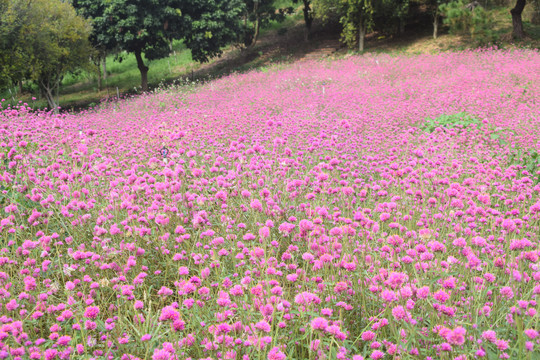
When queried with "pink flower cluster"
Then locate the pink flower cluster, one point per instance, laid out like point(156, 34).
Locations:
point(299, 213)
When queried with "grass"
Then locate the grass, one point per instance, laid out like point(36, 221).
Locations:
point(81, 88)
point(123, 73)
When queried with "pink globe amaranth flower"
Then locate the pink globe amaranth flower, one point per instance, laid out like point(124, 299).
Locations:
point(449, 283)
point(276, 354)
point(531, 333)
point(368, 335)
point(377, 354)
point(399, 313)
point(306, 298)
point(423, 292)
point(327, 312)
point(263, 326)
point(441, 296)
point(389, 296)
point(50, 354)
point(333, 329)
point(12, 305)
point(80, 349)
point(224, 328)
point(160, 354)
point(256, 205)
point(91, 312)
point(456, 336)
point(146, 337)
point(138, 305)
point(90, 325)
point(507, 292)
point(340, 287)
point(222, 195)
point(384, 216)
point(396, 279)
point(489, 335)
point(501, 344)
point(445, 347)
point(236, 290)
point(178, 325)
point(168, 313)
point(63, 340)
point(319, 323)
point(264, 232)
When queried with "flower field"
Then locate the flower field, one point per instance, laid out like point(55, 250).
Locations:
point(375, 207)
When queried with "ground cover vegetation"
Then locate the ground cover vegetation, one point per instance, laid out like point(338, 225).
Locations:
point(395, 214)
point(160, 42)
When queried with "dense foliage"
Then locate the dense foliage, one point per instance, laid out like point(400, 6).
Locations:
point(42, 40)
point(395, 213)
point(146, 28)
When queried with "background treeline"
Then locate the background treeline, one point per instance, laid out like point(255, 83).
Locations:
point(41, 41)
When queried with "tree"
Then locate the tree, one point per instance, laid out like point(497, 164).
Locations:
point(60, 45)
point(209, 25)
point(260, 13)
point(517, 24)
point(434, 6)
point(14, 16)
point(47, 39)
point(535, 18)
point(355, 17)
point(146, 27)
point(390, 16)
point(401, 12)
point(100, 38)
point(469, 19)
point(308, 17)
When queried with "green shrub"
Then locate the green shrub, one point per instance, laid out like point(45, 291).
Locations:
point(473, 21)
point(461, 119)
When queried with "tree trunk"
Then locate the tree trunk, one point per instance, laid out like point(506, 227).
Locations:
point(401, 26)
point(99, 81)
point(257, 23)
point(516, 19)
point(435, 26)
point(49, 96)
point(535, 18)
point(104, 66)
point(308, 18)
point(143, 69)
point(20, 87)
point(99, 77)
point(256, 32)
point(361, 34)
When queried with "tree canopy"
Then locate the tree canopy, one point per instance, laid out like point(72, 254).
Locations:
point(42, 40)
point(146, 27)
point(356, 16)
